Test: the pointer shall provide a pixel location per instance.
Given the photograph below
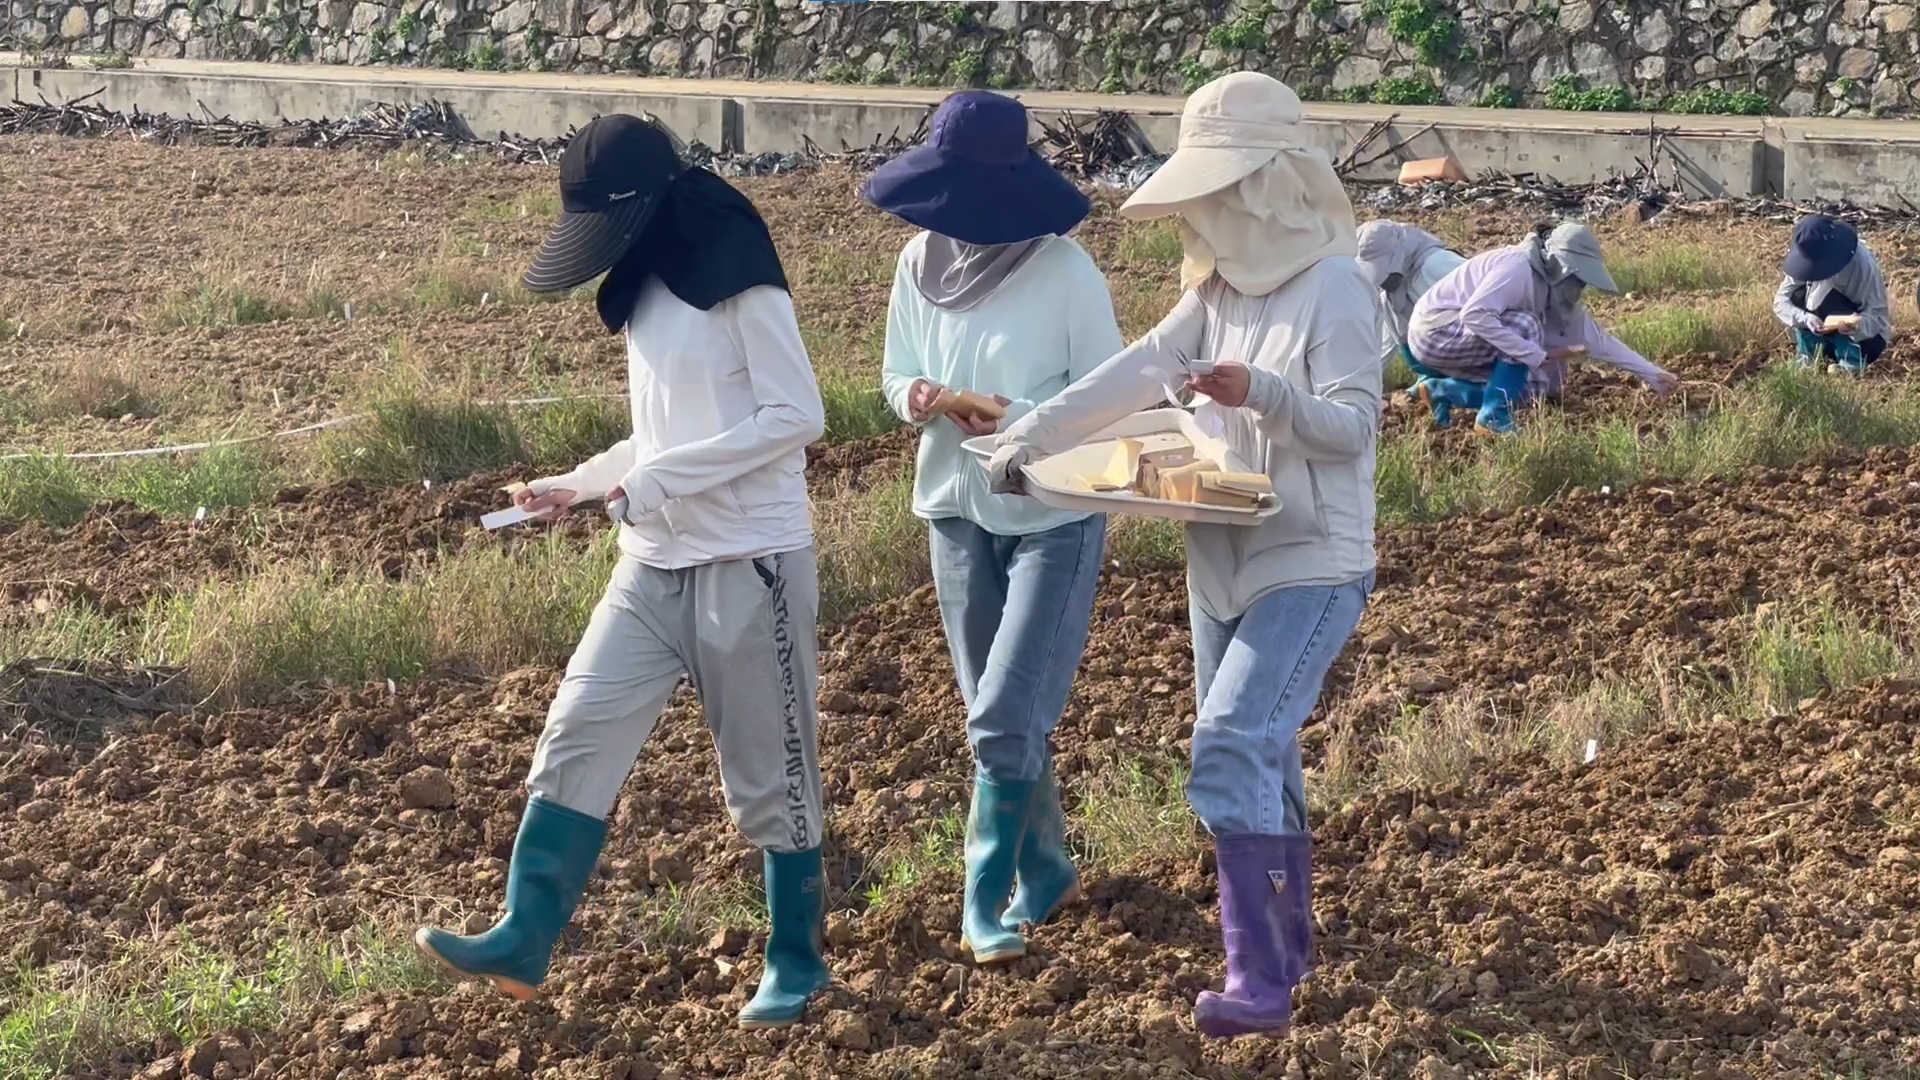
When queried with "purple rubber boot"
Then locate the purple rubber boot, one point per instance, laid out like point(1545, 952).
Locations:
point(1266, 919)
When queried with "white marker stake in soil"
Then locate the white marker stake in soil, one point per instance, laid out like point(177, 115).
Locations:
point(1593, 751)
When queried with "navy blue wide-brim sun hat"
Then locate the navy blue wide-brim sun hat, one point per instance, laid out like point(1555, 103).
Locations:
point(1822, 247)
point(976, 179)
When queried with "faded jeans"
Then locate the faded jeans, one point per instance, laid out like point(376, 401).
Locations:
point(1015, 610)
point(1258, 678)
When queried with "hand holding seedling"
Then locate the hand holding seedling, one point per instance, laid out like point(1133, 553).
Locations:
point(920, 398)
point(972, 424)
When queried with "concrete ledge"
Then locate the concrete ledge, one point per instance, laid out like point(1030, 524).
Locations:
point(1871, 162)
point(1868, 166)
point(546, 112)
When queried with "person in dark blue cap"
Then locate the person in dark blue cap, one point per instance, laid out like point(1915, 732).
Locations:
point(995, 310)
point(716, 578)
point(1833, 297)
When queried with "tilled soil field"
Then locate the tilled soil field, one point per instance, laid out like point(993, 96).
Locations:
point(1684, 905)
point(1734, 901)
point(1718, 896)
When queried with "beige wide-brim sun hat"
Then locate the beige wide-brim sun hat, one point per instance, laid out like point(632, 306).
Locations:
point(1229, 128)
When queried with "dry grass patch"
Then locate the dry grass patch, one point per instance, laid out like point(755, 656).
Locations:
point(90, 387)
point(1154, 243)
point(54, 1020)
point(541, 206)
point(871, 547)
point(1133, 808)
point(236, 297)
point(1791, 652)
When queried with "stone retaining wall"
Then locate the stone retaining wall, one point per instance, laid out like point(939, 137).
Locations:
point(1815, 56)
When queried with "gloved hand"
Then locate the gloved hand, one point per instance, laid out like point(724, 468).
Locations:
point(1003, 469)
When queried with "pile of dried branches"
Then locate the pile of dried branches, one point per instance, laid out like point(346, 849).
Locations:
point(71, 699)
point(882, 149)
point(379, 126)
point(1093, 146)
point(1105, 147)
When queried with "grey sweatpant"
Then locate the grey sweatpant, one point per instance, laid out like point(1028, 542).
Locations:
point(745, 631)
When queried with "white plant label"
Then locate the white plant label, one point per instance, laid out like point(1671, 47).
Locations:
point(500, 519)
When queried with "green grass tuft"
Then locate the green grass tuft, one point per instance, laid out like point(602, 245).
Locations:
point(556, 437)
point(409, 438)
point(1156, 242)
point(486, 609)
point(683, 916)
point(54, 1021)
point(932, 853)
point(1144, 543)
point(1131, 808)
point(855, 407)
point(870, 545)
point(1680, 268)
point(1796, 653)
point(58, 491)
point(1785, 416)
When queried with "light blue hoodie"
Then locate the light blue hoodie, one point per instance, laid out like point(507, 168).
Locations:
point(1050, 323)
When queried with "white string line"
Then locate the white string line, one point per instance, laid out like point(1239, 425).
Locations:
point(305, 429)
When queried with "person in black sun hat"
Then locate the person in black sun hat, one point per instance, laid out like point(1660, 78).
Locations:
point(716, 577)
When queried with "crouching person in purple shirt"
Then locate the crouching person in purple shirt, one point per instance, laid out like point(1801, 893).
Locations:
point(1498, 331)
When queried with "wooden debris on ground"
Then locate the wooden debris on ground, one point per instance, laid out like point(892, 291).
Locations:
point(1088, 146)
point(380, 125)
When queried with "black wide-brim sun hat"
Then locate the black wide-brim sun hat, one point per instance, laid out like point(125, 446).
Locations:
point(1822, 247)
point(614, 175)
point(977, 180)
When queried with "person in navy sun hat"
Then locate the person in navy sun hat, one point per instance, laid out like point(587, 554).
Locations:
point(994, 311)
point(1833, 297)
point(976, 179)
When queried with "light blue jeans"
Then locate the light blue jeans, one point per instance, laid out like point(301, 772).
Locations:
point(1015, 609)
point(1257, 678)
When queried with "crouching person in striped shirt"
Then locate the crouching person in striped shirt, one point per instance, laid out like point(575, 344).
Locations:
point(716, 578)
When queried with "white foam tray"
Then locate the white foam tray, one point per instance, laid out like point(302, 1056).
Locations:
point(1048, 478)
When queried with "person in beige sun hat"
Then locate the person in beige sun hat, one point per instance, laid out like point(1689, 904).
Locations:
point(1279, 327)
point(1256, 203)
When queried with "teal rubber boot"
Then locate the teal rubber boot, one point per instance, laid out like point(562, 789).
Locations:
point(995, 826)
point(1809, 347)
point(553, 856)
point(1848, 357)
point(1044, 878)
point(1505, 388)
point(1443, 396)
point(797, 908)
